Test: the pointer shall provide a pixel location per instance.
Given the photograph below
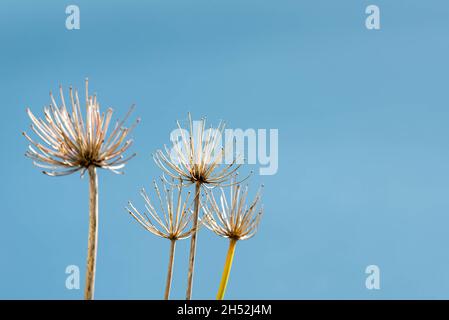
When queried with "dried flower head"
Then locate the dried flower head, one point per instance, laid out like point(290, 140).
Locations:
point(174, 222)
point(71, 143)
point(197, 158)
point(234, 219)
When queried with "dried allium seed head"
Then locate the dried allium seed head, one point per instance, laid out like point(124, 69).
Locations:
point(233, 219)
point(175, 221)
point(198, 156)
point(71, 143)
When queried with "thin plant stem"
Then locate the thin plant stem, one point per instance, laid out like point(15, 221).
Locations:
point(226, 269)
point(93, 233)
point(193, 241)
point(170, 268)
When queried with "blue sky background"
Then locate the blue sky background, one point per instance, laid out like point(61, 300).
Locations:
point(363, 125)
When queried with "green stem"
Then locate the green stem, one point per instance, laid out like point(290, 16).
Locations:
point(226, 270)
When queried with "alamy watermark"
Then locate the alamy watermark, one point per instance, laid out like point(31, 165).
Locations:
point(72, 282)
point(372, 282)
point(372, 21)
point(72, 22)
point(249, 146)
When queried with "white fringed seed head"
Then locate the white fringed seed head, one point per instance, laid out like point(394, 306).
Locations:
point(173, 220)
point(198, 156)
point(70, 143)
point(233, 219)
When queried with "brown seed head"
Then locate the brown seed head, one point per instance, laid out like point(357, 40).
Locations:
point(70, 143)
point(233, 219)
point(173, 219)
point(198, 156)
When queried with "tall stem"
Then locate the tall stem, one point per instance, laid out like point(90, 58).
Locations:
point(226, 270)
point(193, 241)
point(171, 261)
point(93, 234)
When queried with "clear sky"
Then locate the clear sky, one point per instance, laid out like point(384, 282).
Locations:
point(363, 125)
